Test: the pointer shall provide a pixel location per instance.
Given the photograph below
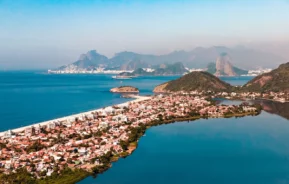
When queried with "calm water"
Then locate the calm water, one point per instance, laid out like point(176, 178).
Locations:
point(244, 150)
point(251, 150)
point(31, 97)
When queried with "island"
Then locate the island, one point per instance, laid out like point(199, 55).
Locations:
point(125, 89)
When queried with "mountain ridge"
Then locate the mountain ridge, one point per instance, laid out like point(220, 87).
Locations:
point(168, 69)
point(276, 80)
point(197, 58)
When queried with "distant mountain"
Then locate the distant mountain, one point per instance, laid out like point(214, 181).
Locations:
point(197, 58)
point(171, 69)
point(137, 72)
point(90, 60)
point(276, 80)
point(199, 81)
point(224, 67)
point(134, 64)
point(164, 69)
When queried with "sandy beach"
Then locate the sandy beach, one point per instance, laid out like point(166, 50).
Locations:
point(21, 129)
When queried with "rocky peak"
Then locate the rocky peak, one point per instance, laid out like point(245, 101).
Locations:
point(224, 66)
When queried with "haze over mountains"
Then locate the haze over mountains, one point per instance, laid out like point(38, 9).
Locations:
point(198, 58)
point(223, 67)
point(275, 81)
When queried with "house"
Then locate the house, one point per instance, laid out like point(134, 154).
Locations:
point(9, 134)
point(28, 131)
point(103, 125)
point(51, 125)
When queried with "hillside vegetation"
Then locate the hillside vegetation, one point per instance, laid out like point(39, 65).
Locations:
point(200, 81)
point(276, 80)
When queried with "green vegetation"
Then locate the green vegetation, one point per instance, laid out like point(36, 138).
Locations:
point(130, 88)
point(277, 80)
point(200, 81)
point(211, 68)
point(36, 146)
point(67, 176)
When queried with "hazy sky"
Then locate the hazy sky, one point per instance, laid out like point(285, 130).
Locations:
point(47, 33)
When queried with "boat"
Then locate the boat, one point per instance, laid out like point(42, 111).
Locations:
point(121, 77)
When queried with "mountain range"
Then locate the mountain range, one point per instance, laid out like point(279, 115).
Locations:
point(197, 58)
point(163, 69)
point(275, 81)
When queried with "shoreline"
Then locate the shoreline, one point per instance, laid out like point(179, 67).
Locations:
point(136, 98)
point(131, 148)
point(192, 108)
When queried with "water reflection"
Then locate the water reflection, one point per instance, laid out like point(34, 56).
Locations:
point(272, 107)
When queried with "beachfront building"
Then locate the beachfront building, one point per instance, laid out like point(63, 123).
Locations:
point(78, 141)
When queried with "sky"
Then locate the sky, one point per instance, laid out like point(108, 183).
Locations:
point(50, 33)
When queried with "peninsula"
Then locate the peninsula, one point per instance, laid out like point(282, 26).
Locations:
point(68, 149)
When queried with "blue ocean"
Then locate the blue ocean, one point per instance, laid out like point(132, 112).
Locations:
point(222, 151)
point(32, 97)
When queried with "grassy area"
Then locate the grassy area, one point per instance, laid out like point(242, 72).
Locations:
point(67, 176)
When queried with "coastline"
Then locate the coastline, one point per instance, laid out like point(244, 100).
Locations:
point(45, 123)
point(76, 174)
point(131, 149)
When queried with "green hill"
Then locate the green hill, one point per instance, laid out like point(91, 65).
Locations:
point(200, 81)
point(276, 80)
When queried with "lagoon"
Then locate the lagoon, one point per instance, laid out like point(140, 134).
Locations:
point(242, 150)
point(236, 150)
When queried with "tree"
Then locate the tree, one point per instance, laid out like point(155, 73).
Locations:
point(123, 144)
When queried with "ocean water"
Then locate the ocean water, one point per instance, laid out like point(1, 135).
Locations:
point(32, 97)
point(222, 151)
